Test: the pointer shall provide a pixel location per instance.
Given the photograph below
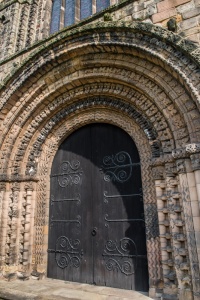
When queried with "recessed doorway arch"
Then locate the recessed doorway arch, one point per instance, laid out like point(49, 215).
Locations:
point(96, 223)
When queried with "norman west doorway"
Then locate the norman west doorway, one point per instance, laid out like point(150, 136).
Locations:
point(96, 223)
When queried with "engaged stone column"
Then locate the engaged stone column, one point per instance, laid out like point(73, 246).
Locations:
point(192, 227)
point(173, 224)
point(27, 225)
point(161, 197)
point(195, 159)
point(3, 222)
point(194, 151)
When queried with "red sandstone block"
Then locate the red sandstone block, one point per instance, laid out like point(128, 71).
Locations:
point(167, 4)
point(193, 37)
point(163, 15)
point(189, 23)
point(191, 13)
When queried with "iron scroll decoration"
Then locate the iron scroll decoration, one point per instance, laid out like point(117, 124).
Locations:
point(67, 252)
point(71, 174)
point(119, 256)
point(118, 167)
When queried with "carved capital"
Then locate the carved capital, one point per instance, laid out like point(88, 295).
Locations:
point(195, 160)
point(180, 153)
point(186, 152)
point(158, 172)
point(14, 179)
point(193, 148)
point(31, 169)
point(161, 161)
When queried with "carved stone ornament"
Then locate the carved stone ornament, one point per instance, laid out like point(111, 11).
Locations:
point(158, 173)
point(13, 213)
point(195, 160)
point(15, 186)
point(180, 165)
point(172, 25)
point(193, 148)
point(180, 153)
point(2, 186)
point(170, 169)
point(171, 182)
point(29, 186)
point(31, 168)
point(158, 44)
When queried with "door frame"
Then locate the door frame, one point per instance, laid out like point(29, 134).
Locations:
point(52, 144)
point(117, 140)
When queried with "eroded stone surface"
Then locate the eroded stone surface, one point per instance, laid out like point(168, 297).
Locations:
point(116, 67)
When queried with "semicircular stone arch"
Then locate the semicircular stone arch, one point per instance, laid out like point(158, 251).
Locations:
point(141, 78)
point(191, 106)
point(163, 102)
point(153, 40)
point(39, 130)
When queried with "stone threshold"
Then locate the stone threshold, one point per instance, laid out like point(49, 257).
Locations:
point(51, 289)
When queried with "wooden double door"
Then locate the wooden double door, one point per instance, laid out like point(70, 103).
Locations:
point(96, 224)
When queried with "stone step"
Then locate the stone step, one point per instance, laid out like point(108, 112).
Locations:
point(51, 289)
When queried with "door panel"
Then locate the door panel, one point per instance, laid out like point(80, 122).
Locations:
point(97, 232)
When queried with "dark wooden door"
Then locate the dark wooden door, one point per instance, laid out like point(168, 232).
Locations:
point(97, 229)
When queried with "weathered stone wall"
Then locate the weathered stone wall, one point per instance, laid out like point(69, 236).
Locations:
point(140, 77)
point(186, 13)
point(25, 26)
point(23, 23)
point(108, 68)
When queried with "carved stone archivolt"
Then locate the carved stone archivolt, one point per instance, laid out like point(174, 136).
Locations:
point(148, 92)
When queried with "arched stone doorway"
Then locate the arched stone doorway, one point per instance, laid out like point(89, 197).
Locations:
point(97, 223)
point(139, 77)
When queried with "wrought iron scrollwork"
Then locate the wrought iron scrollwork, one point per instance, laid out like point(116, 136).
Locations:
point(119, 256)
point(118, 167)
point(67, 252)
point(70, 173)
